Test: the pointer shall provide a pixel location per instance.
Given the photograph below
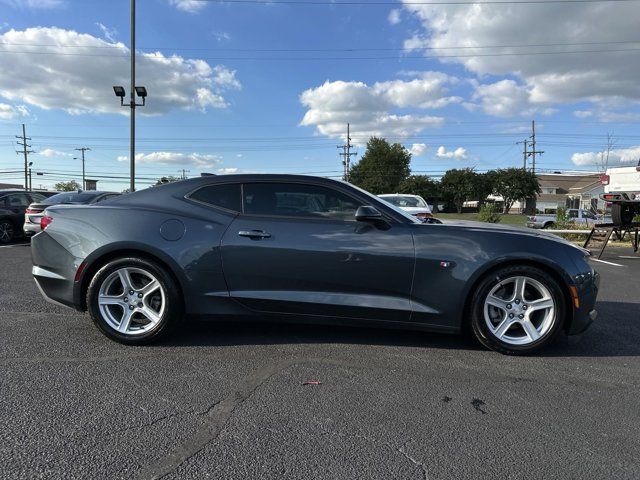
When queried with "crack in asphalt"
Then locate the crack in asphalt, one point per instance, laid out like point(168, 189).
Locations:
point(418, 463)
point(218, 413)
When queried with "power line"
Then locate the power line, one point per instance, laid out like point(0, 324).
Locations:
point(382, 3)
point(394, 57)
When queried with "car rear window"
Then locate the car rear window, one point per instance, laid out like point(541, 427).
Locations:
point(70, 197)
point(227, 196)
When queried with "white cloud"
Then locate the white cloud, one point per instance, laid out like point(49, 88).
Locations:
point(418, 149)
point(49, 152)
point(11, 112)
point(175, 158)
point(227, 170)
point(191, 6)
point(221, 36)
point(506, 98)
point(548, 79)
point(108, 33)
point(78, 84)
point(457, 154)
point(33, 4)
point(583, 113)
point(394, 16)
point(371, 109)
point(623, 155)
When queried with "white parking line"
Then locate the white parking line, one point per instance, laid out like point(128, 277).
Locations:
point(608, 263)
point(628, 257)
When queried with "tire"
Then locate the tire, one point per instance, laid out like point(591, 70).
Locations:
point(7, 231)
point(494, 302)
point(549, 225)
point(622, 213)
point(150, 313)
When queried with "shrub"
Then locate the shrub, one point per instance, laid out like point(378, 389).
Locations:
point(489, 213)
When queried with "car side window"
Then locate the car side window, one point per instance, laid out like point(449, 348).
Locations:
point(298, 200)
point(225, 195)
point(17, 200)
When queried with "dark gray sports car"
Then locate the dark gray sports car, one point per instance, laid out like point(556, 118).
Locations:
point(309, 249)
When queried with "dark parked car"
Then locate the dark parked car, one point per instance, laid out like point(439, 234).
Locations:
point(310, 249)
point(34, 213)
point(13, 204)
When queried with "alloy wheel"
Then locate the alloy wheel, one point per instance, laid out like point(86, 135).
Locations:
point(519, 310)
point(6, 232)
point(132, 301)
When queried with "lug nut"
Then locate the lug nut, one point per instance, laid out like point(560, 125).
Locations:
point(139, 295)
point(509, 306)
point(511, 315)
point(517, 301)
point(126, 299)
point(140, 305)
point(130, 307)
point(521, 316)
point(131, 292)
point(524, 307)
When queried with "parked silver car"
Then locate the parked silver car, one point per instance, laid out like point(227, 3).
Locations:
point(574, 215)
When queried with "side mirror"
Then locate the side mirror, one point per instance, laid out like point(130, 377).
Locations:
point(367, 213)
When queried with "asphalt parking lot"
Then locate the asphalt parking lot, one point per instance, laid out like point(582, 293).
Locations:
point(228, 401)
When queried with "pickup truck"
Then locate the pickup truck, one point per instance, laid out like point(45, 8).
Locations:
point(577, 216)
point(622, 191)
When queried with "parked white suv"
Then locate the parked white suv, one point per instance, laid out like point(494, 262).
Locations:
point(574, 215)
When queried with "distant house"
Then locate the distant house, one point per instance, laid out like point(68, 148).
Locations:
point(569, 190)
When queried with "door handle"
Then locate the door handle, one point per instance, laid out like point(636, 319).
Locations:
point(254, 234)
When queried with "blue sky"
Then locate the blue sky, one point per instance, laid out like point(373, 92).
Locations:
point(270, 88)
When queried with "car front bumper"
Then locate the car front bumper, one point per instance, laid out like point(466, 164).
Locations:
point(584, 313)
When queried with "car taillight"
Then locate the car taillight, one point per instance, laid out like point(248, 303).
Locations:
point(45, 222)
point(32, 211)
point(604, 179)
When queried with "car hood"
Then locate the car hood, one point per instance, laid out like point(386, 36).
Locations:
point(510, 229)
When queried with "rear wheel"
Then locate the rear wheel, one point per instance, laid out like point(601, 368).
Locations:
point(517, 310)
point(7, 231)
point(133, 301)
point(622, 213)
point(549, 225)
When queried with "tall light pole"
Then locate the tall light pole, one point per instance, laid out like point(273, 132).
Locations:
point(140, 91)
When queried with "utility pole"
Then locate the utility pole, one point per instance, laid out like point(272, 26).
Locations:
point(524, 153)
point(534, 152)
point(183, 174)
point(347, 154)
point(25, 151)
point(30, 188)
point(83, 149)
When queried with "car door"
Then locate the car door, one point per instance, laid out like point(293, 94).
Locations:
point(16, 204)
point(297, 248)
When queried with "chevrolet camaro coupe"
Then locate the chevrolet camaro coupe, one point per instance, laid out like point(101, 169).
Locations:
point(307, 249)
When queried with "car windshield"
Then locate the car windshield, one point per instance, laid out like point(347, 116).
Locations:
point(405, 201)
point(398, 210)
point(70, 197)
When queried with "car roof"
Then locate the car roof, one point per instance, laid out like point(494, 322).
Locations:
point(12, 190)
point(398, 195)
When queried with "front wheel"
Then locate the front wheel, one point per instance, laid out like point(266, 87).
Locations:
point(7, 231)
point(133, 301)
point(622, 213)
point(517, 310)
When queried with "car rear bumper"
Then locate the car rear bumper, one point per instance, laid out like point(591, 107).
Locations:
point(584, 314)
point(54, 270)
point(31, 229)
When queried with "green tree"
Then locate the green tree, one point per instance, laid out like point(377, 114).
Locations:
point(458, 186)
point(514, 184)
point(484, 184)
point(167, 179)
point(420, 185)
point(69, 186)
point(382, 168)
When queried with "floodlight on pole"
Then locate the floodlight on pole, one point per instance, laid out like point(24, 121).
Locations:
point(140, 91)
